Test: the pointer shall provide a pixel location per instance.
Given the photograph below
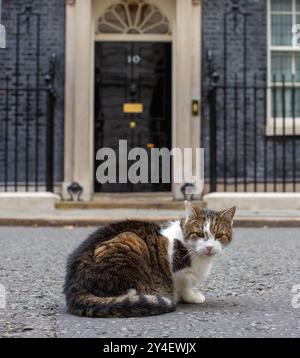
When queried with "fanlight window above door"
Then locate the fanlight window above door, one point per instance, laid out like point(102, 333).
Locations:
point(133, 17)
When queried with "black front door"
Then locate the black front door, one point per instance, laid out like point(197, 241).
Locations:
point(132, 102)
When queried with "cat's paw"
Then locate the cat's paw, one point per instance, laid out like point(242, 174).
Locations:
point(193, 297)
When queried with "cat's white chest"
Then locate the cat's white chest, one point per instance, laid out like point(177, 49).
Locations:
point(200, 268)
point(191, 277)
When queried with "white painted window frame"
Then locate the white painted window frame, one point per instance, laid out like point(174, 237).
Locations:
point(287, 129)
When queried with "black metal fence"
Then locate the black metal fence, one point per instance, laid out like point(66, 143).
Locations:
point(253, 122)
point(27, 107)
point(254, 136)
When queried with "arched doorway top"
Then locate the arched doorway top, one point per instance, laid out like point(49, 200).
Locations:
point(133, 17)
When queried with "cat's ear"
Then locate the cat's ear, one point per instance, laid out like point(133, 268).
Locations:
point(228, 214)
point(190, 210)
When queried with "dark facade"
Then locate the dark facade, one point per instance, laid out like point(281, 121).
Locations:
point(35, 31)
point(234, 65)
point(235, 36)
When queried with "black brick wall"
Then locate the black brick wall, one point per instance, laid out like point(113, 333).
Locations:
point(51, 33)
point(52, 41)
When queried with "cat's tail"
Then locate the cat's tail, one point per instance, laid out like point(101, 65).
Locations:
point(131, 304)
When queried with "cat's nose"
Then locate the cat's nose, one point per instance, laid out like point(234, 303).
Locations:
point(209, 249)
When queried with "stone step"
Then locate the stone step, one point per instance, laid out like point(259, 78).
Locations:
point(127, 203)
point(27, 202)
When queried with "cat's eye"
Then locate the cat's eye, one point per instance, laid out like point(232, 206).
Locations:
point(199, 234)
point(219, 235)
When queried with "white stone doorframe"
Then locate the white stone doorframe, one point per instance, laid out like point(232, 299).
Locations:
point(79, 116)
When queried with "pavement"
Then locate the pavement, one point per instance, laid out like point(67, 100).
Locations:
point(96, 217)
point(249, 293)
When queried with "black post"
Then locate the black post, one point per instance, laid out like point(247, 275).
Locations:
point(274, 110)
point(7, 91)
point(49, 79)
point(212, 99)
point(283, 136)
point(255, 131)
point(236, 155)
point(294, 132)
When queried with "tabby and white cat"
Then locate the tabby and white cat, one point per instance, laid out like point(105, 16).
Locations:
point(137, 268)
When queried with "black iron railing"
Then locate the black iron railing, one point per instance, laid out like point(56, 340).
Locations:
point(254, 122)
point(254, 136)
point(27, 109)
point(27, 136)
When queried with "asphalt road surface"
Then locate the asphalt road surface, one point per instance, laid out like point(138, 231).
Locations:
point(249, 293)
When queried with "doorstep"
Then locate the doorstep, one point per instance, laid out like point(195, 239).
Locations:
point(152, 201)
point(254, 201)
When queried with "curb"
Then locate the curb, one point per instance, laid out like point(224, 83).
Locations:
point(242, 222)
point(270, 222)
point(76, 222)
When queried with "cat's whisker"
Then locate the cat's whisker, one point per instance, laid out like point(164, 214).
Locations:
point(192, 254)
point(187, 255)
point(229, 252)
point(228, 256)
point(230, 249)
